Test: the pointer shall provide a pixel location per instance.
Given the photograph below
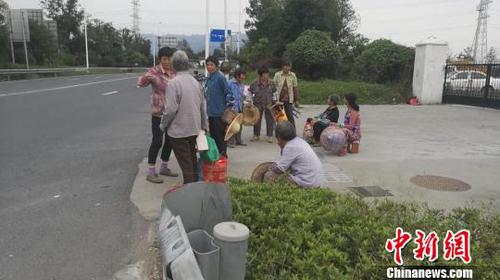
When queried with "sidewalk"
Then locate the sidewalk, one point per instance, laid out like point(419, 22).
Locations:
point(398, 142)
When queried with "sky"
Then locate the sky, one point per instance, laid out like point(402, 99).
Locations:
point(404, 21)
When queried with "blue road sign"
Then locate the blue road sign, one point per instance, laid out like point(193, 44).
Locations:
point(217, 35)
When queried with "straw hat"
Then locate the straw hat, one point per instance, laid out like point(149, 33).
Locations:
point(259, 173)
point(251, 115)
point(234, 127)
point(229, 115)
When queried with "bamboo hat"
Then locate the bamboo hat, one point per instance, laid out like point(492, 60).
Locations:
point(234, 127)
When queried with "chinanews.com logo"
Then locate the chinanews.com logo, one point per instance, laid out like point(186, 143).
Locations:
point(456, 245)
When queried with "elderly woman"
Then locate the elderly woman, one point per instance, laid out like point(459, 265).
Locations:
point(184, 116)
point(297, 158)
point(329, 116)
point(263, 90)
point(158, 78)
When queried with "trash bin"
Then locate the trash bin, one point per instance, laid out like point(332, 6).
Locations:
point(232, 238)
point(206, 253)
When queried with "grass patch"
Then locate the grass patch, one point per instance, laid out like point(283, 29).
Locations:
point(317, 92)
point(317, 234)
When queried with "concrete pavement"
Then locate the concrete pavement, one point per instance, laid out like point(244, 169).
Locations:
point(399, 142)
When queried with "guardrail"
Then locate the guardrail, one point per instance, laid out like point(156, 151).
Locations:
point(19, 74)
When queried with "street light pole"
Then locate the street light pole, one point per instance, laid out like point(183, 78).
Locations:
point(239, 30)
point(207, 32)
point(24, 40)
point(86, 42)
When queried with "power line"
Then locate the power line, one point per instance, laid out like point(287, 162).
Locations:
point(411, 4)
point(425, 30)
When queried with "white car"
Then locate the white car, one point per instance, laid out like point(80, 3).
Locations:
point(471, 81)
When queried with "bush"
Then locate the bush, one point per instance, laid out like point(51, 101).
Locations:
point(317, 234)
point(314, 54)
point(384, 61)
point(317, 92)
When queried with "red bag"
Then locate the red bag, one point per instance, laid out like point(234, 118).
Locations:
point(215, 172)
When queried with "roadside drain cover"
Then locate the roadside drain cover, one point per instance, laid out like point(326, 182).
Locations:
point(372, 191)
point(439, 183)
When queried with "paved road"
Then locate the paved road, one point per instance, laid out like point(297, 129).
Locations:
point(69, 149)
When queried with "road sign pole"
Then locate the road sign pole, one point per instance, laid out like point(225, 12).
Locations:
point(225, 30)
point(25, 45)
point(207, 34)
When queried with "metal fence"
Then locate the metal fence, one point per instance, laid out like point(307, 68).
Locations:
point(472, 84)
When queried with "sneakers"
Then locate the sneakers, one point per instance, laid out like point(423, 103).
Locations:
point(154, 179)
point(255, 139)
point(169, 173)
point(270, 140)
point(241, 144)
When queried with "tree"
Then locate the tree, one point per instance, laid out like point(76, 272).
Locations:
point(3, 12)
point(218, 53)
point(69, 16)
point(41, 44)
point(184, 45)
point(4, 34)
point(314, 54)
point(105, 44)
point(281, 22)
point(491, 57)
point(384, 61)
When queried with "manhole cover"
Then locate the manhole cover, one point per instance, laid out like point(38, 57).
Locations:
point(439, 183)
point(372, 191)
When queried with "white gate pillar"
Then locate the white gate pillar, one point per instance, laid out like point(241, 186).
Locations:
point(429, 71)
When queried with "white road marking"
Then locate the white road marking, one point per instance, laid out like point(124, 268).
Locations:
point(110, 93)
point(63, 87)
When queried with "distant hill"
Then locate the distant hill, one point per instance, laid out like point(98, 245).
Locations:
point(197, 42)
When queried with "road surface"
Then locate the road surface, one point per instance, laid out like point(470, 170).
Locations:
point(69, 149)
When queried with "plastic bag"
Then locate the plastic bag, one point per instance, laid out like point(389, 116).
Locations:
point(215, 172)
point(212, 154)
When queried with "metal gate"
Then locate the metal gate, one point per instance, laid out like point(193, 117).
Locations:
point(472, 84)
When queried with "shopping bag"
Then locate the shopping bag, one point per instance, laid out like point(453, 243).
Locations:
point(212, 154)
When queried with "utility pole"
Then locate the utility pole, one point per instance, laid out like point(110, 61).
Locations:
point(24, 40)
point(225, 30)
point(480, 44)
point(154, 50)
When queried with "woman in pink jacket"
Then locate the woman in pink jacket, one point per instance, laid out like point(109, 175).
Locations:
point(158, 78)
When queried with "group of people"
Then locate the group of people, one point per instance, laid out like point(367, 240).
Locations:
point(351, 124)
point(182, 107)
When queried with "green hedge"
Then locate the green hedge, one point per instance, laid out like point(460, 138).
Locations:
point(317, 234)
point(317, 92)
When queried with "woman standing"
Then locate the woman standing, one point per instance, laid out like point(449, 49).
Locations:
point(217, 92)
point(263, 90)
point(352, 120)
point(158, 78)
